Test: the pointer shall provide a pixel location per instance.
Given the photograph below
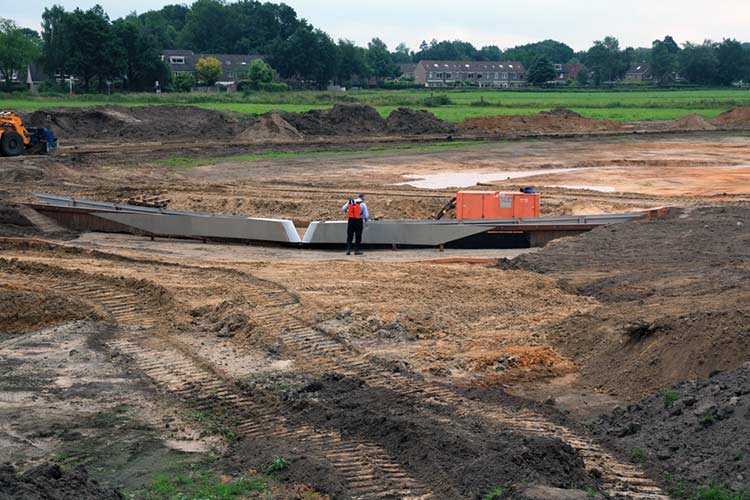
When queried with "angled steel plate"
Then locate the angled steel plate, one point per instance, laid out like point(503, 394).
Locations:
point(239, 228)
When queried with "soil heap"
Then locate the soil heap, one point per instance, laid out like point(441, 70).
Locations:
point(49, 482)
point(12, 222)
point(696, 431)
point(406, 121)
point(140, 123)
point(734, 118)
point(25, 311)
point(692, 122)
point(673, 293)
point(557, 121)
point(342, 119)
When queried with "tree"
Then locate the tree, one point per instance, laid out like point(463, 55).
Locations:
point(259, 73)
point(606, 60)
point(733, 62)
point(207, 27)
point(208, 70)
point(309, 54)
point(402, 54)
point(352, 64)
point(379, 59)
point(554, 51)
point(16, 50)
point(142, 59)
point(541, 71)
point(698, 63)
point(490, 53)
point(582, 77)
point(663, 62)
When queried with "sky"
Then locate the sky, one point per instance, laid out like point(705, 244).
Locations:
point(482, 22)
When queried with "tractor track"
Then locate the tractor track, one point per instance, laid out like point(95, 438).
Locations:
point(281, 310)
point(175, 368)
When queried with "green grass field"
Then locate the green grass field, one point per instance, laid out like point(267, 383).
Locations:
point(614, 105)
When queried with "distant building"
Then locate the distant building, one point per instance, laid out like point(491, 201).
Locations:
point(638, 72)
point(35, 76)
point(565, 72)
point(501, 74)
point(234, 66)
point(407, 70)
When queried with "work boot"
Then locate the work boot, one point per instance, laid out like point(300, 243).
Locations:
point(348, 249)
point(358, 252)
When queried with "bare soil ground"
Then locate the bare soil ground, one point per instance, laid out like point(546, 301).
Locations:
point(404, 375)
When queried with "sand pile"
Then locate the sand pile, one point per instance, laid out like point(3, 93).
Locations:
point(558, 121)
point(270, 126)
point(49, 482)
point(692, 122)
point(734, 118)
point(696, 431)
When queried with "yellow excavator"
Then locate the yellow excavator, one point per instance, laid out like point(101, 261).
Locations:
point(15, 139)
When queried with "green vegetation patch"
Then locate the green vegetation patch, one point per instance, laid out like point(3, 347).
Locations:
point(684, 490)
point(204, 484)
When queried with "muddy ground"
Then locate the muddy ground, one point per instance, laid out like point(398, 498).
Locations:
point(404, 375)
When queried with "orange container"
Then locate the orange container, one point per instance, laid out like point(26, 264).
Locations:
point(496, 205)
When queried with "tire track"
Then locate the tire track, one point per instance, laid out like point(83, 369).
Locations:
point(281, 310)
point(370, 473)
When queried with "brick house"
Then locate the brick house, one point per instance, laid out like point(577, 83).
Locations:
point(638, 72)
point(406, 70)
point(500, 74)
point(234, 66)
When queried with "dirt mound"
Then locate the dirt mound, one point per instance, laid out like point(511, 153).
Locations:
point(552, 122)
point(342, 119)
point(270, 126)
point(465, 460)
point(561, 112)
point(692, 122)
point(49, 482)
point(739, 117)
point(24, 311)
point(140, 123)
point(407, 121)
point(13, 223)
point(673, 296)
point(695, 431)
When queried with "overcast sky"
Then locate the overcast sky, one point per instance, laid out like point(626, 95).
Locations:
point(483, 22)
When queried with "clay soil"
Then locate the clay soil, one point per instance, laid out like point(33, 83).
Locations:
point(401, 374)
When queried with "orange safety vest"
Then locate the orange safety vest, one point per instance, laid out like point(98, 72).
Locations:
point(355, 210)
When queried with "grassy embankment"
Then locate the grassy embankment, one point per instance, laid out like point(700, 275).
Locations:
point(613, 105)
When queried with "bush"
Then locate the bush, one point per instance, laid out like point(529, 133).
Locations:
point(183, 82)
point(438, 100)
point(669, 396)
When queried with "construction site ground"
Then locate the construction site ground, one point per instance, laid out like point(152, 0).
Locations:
point(398, 374)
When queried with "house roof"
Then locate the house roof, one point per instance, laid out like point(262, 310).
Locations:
point(230, 63)
point(407, 67)
point(36, 74)
point(478, 66)
point(639, 69)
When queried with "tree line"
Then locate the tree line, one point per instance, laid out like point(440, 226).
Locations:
point(97, 50)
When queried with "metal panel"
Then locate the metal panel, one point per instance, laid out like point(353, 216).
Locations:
point(417, 233)
point(239, 228)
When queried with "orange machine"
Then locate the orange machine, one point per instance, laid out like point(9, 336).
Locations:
point(496, 205)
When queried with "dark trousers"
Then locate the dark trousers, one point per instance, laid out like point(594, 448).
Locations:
point(354, 229)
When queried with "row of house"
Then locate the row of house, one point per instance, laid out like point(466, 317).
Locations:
point(432, 73)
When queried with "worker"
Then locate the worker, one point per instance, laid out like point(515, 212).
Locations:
point(357, 215)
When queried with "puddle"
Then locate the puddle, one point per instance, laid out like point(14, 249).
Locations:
point(466, 179)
